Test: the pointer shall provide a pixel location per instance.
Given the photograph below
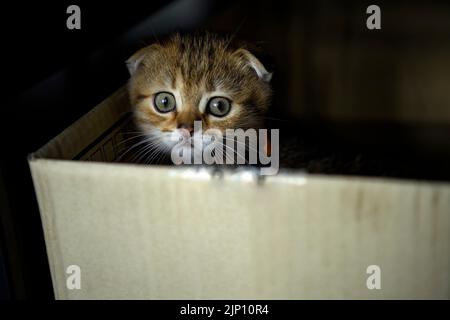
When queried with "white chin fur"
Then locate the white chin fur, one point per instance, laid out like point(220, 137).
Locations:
point(168, 140)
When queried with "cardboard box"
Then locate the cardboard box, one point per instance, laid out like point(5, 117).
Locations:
point(161, 232)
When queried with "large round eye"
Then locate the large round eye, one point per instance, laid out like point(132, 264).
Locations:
point(164, 102)
point(219, 106)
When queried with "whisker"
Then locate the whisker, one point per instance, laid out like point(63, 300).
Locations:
point(153, 155)
point(161, 157)
point(151, 145)
point(132, 147)
point(238, 154)
point(242, 143)
point(128, 139)
point(144, 154)
point(140, 153)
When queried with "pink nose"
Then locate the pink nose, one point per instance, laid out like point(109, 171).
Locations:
point(189, 130)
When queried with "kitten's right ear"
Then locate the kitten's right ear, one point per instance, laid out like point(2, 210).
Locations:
point(135, 60)
point(254, 63)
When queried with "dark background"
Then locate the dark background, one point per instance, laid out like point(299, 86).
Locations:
point(384, 90)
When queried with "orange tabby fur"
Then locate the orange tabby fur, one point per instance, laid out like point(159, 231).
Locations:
point(192, 67)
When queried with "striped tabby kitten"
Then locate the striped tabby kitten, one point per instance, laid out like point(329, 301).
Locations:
point(191, 78)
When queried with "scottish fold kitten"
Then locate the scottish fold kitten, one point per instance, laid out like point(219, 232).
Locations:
point(187, 78)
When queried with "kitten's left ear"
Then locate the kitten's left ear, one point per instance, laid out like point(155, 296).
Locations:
point(255, 64)
point(136, 59)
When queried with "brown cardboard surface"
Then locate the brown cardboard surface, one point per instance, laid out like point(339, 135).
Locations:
point(154, 232)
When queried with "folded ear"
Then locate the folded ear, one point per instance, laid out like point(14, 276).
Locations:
point(254, 63)
point(136, 59)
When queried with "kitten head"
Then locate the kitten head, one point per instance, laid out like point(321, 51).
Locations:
point(196, 78)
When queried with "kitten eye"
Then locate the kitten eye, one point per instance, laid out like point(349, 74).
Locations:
point(219, 106)
point(164, 102)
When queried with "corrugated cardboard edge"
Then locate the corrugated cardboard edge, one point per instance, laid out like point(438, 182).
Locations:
point(38, 172)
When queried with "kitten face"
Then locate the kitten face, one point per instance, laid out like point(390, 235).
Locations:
point(196, 78)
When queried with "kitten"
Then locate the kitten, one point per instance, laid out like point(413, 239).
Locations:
point(191, 78)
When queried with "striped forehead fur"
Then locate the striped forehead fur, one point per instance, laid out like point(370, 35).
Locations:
point(193, 66)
